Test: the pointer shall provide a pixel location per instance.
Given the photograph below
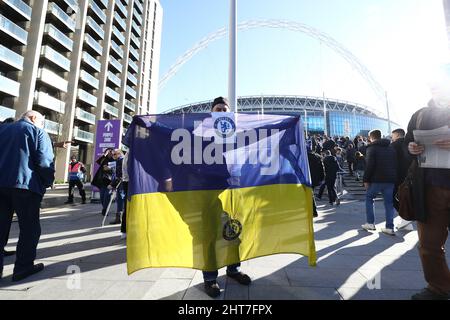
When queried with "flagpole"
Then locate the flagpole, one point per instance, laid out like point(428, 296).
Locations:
point(232, 57)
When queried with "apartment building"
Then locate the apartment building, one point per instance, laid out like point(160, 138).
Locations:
point(79, 61)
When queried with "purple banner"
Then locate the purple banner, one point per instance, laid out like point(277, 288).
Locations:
point(108, 136)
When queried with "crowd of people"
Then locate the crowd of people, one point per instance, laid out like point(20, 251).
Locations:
point(27, 170)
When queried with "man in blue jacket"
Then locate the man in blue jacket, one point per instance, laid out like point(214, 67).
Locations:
point(27, 169)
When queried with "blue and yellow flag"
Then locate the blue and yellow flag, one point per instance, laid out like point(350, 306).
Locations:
point(209, 190)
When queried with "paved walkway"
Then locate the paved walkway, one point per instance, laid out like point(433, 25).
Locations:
point(348, 260)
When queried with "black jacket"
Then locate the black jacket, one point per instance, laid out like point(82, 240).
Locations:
point(316, 168)
point(331, 168)
point(381, 162)
point(403, 159)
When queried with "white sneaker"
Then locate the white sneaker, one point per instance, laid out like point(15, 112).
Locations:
point(368, 226)
point(405, 224)
point(388, 231)
point(123, 236)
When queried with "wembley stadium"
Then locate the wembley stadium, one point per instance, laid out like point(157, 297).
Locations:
point(343, 118)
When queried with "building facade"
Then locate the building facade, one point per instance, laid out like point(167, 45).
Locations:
point(79, 61)
point(342, 118)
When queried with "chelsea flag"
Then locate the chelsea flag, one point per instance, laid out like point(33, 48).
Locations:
point(208, 190)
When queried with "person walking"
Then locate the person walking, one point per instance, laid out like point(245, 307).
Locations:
point(317, 174)
point(103, 178)
point(117, 185)
point(27, 170)
point(380, 176)
point(331, 169)
point(76, 176)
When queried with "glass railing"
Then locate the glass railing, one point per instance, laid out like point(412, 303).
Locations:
point(137, 16)
point(119, 35)
point(64, 40)
point(120, 21)
point(54, 56)
point(90, 60)
point(52, 127)
point(93, 44)
point(116, 64)
point(9, 86)
point(138, 5)
point(131, 92)
point(85, 116)
point(61, 15)
point(97, 10)
point(112, 94)
point(87, 78)
point(111, 110)
point(136, 28)
point(116, 48)
point(73, 4)
point(96, 27)
point(20, 7)
point(6, 113)
point(132, 78)
point(10, 57)
point(134, 52)
point(135, 40)
point(127, 118)
point(130, 105)
point(114, 79)
point(87, 97)
point(12, 29)
point(133, 65)
point(122, 8)
point(45, 100)
point(52, 79)
point(82, 135)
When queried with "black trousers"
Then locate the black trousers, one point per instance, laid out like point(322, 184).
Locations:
point(123, 226)
point(79, 184)
point(26, 205)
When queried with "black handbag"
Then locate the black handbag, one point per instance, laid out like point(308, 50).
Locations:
point(405, 194)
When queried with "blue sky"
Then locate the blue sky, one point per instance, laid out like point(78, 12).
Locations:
point(398, 41)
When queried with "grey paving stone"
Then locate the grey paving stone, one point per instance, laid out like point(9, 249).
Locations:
point(292, 293)
point(325, 277)
point(383, 294)
point(167, 289)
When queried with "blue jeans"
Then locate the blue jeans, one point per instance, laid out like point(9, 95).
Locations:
point(386, 189)
point(212, 275)
point(105, 196)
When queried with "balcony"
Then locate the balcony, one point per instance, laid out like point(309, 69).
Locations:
point(88, 79)
point(10, 58)
point(136, 28)
point(133, 65)
point(82, 135)
point(112, 94)
point(9, 87)
point(138, 6)
point(87, 97)
point(55, 57)
point(111, 110)
point(137, 17)
point(52, 79)
point(122, 8)
point(127, 118)
point(130, 105)
point(6, 113)
point(61, 16)
point(121, 21)
point(118, 35)
point(117, 49)
point(116, 64)
point(17, 34)
point(114, 79)
point(85, 116)
point(104, 3)
point(93, 44)
point(94, 26)
point(91, 61)
point(52, 127)
point(73, 4)
point(19, 10)
point(47, 101)
point(135, 41)
point(132, 79)
point(58, 36)
point(134, 52)
point(130, 91)
point(98, 12)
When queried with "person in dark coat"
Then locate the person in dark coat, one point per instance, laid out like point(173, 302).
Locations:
point(103, 178)
point(317, 174)
point(351, 158)
point(380, 176)
point(432, 195)
point(331, 169)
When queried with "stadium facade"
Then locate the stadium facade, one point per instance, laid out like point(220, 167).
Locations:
point(343, 118)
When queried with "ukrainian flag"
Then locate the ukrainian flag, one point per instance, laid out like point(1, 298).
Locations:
point(209, 190)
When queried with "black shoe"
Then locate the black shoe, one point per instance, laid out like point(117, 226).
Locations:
point(103, 212)
point(338, 202)
point(83, 201)
point(22, 275)
point(212, 289)
point(315, 215)
point(427, 294)
point(240, 277)
point(8, 253)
